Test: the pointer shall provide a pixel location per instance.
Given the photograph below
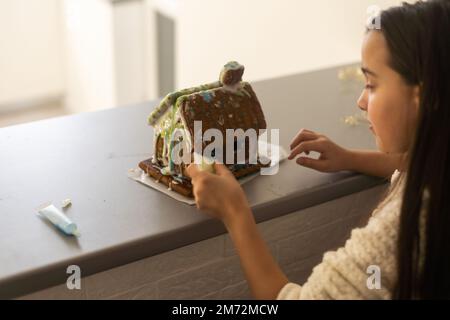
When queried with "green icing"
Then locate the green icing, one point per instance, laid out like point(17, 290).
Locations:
point(171, 99)
point(232, 65)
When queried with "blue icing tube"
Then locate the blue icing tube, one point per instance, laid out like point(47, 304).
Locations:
point(59, 219)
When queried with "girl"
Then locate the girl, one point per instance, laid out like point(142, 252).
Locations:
point(407, 99)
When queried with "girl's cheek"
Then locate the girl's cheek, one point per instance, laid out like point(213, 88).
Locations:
point(371, 109)
point(375, 116)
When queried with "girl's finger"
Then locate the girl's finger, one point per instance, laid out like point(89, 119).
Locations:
point(303, 135)
point(192, 170)
point(307, 146)
point(221, 169)
point(314, 164)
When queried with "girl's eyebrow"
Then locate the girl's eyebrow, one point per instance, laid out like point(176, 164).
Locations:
point(367, 71)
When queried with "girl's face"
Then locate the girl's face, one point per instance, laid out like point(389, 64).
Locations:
point(390, 103)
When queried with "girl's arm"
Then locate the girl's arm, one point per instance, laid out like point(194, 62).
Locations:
point(263, 274)
point(374, 163)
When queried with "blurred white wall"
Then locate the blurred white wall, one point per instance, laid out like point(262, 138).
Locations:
point(108, 53)
point(31, 61)
point(129, 50)
point(270, 37)
point(89, 54)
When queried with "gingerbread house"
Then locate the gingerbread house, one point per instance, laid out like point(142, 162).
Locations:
point(229, 103)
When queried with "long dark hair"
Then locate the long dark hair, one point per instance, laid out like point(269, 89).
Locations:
point(418, 38)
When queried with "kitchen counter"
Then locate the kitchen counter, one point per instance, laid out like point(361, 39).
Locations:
point(86, 158)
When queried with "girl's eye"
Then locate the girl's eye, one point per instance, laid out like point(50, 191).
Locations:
point(369, 87)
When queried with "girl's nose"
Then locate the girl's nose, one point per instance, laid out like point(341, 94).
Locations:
point(362, 101)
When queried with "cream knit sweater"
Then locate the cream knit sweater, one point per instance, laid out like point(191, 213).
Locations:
point(343, 274)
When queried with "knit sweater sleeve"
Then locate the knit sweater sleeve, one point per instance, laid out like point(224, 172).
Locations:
point(344, 274)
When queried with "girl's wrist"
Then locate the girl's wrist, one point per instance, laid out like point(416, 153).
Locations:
point(350, 157)
point(237, 216)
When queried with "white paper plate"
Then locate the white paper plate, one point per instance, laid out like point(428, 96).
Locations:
point(140, 176)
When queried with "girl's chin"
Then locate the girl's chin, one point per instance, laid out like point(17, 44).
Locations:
point(378, 142)
point(385, 149)
point(380, 145)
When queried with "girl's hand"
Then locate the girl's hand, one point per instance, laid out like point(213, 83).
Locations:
point(332, 157)
point(220, 194)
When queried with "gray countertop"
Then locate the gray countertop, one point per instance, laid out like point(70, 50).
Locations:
point(86, 158)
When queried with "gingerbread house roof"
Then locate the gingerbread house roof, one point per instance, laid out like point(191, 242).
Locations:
point(222, 109)
point(227, 104)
